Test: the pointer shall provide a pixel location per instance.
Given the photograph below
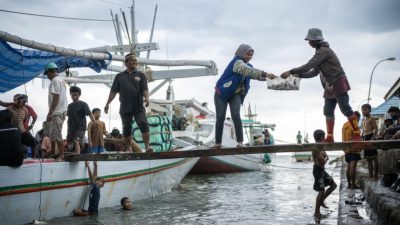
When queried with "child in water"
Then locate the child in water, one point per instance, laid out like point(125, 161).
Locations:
point(94, 196)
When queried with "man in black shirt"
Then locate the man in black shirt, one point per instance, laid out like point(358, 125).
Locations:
point(11, 151)
point(133, 93)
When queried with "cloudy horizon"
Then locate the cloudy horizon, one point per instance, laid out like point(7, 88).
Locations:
point(360, 32)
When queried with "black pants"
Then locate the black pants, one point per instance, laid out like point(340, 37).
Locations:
point(28, 140)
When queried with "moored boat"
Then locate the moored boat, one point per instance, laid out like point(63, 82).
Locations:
point(45, 190)
point(228, 163)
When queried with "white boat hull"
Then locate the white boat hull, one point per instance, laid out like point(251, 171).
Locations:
point(49, 190)
point(228, 164)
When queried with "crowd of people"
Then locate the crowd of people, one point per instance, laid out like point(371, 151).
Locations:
point(18, 119)
point(82, 137)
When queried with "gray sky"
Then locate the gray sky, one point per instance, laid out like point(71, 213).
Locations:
point(361, 32)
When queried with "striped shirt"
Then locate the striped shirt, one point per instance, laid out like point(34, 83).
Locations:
point(18, 116)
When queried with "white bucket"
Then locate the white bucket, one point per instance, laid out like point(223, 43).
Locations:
point(291, 83)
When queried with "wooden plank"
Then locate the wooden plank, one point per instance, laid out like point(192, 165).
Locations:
point(387, 144)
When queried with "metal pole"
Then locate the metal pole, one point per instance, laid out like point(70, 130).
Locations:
point(372, 73)
point(152, 30)
point(133, 25)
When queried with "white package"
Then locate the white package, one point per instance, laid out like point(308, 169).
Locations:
point(291, 83)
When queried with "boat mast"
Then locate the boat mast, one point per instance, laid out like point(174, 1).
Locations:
point(117, 29)
point(133, 28)
point(152, 31)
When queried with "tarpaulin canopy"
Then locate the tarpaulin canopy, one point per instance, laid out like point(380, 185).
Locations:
point(20, 66)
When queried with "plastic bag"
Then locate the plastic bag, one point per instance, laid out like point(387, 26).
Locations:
point(291, 83)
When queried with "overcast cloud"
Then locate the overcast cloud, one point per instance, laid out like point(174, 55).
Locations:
point(361, 32)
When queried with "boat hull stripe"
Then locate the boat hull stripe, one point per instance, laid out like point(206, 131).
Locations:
point(28, 188)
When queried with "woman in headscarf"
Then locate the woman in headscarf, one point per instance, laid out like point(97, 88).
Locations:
point(232, 88)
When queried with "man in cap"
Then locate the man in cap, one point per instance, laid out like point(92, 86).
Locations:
point(333, 79)
point(133, 93)
point(57, 108)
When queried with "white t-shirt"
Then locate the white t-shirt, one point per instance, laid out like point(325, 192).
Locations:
point(57, 86)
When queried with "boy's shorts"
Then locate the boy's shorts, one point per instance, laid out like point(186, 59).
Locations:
point(352, 157)
point(77, 135)
point(369, 153)
point(321, 178)
point(97, 149)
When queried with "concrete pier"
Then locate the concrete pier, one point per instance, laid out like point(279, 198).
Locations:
point(374, 203)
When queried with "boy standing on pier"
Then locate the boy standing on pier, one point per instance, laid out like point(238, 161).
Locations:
point(96, 130)
point(370, 131)
point(322, 178)
point(77, 112)
point(94, 196)
point(351, 155)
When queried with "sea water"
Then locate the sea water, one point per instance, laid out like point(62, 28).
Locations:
point(281, 194)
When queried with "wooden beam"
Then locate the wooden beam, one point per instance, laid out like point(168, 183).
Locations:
point(385, 145)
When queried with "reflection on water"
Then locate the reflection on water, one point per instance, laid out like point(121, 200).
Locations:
point(282, 194)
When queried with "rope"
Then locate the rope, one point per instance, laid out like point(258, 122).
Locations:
point(113, 3)
point(150, 175)
point(109, 108)
point(86, 193)
point(40, 187)
point(301, 168)
point(56, 17)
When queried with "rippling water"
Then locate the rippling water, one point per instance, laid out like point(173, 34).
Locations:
point(282, 194)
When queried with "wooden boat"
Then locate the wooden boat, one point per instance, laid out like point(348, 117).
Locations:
point(204, 132)
point(48, 189)
point(45, 190)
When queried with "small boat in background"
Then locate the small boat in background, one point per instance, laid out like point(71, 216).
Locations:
point(233, 163)
point(302, 156)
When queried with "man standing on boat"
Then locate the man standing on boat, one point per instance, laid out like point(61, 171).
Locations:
point(58, 104)
point(133, 92)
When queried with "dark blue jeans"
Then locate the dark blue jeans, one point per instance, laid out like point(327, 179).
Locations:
point(220, 108)
point(343, 102)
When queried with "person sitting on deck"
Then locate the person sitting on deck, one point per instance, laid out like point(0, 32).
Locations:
point(394, 131)
point(202, 115)
point(43, 146)
point(351, 155)
point(387, 123)
point(126, 203)
point(322, 178)
point(267, 137)
point(12, 151)
point(94, 196)
point(115, 147)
